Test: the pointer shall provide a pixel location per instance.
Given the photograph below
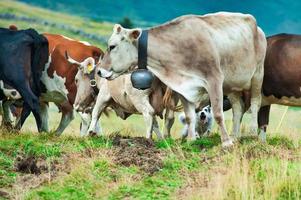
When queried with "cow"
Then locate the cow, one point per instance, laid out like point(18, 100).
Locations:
point(123, 98)
point(23, 55)
point(58, 77)
point(282, 76)
point(219, 53)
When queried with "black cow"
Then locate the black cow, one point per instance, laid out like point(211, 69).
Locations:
point(23, 55)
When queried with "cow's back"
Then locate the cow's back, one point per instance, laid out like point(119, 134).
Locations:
point(230, 42)
point(282, 78)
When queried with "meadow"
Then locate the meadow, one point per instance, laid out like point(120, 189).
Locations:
point(120, 165)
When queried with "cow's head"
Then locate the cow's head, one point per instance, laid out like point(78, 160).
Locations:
point(122, 52)
point(84, 96)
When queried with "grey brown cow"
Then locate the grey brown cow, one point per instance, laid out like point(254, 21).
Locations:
point(221, 52)
point(120, 95)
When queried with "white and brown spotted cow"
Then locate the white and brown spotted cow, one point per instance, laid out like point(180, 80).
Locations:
point(221, 52)
point(58, 77)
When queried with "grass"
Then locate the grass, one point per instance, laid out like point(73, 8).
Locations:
point(197, 170)
point(251, 170)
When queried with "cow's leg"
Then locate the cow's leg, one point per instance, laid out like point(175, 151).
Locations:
point(215, 91)
point(169, 119)
point(263, 121)
point(189, 109)
point(237, 110)
point(256, 84)
point(44, 115)
point(85, 122)
point(98, 129)
point(7, 121)
point(142, 105)
point(67, 116)
point(156, 128)
point(31, 103)
point(102, 100)
point(149, 121)
point(148, 114)
point(24, 114)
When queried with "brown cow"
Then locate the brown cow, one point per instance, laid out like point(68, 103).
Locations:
point(282, 76)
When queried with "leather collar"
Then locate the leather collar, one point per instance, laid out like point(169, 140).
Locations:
point(142, 50)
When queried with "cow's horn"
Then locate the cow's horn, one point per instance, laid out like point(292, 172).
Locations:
point(71, 60)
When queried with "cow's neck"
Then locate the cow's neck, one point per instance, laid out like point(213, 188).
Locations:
point(153, 61)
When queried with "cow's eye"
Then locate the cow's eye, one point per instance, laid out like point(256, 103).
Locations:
point(76, 81)
point(111, 47)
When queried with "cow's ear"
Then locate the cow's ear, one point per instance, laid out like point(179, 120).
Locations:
point(88, 65)
point(117, 28)
point(134, 34)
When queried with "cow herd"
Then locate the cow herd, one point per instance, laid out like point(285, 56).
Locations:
point(190, 62)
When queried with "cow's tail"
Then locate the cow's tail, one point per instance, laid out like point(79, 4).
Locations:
point(39, 58)
point(170, 100)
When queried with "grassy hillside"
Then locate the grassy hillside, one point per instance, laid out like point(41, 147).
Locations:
point(25, 16)
point(43, 166)
point(272, 16)
point(47, 167)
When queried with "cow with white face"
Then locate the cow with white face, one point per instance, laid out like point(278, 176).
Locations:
point(125, 100)
point(221, 52)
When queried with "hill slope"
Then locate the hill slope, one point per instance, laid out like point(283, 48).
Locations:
point(25, 16)
point(273, 16)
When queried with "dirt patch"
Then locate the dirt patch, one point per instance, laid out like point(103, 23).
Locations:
point(28, 165)
point(35, 171)
point(137, 151)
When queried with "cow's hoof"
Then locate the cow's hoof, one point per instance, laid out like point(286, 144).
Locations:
point(253, 130)
point(58, 133)
point(263, 136)
point(93, 134)
point(227, 144)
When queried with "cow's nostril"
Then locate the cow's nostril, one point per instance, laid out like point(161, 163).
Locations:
point(99, 73)
point(14, 93)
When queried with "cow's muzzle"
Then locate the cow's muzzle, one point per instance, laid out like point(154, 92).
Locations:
point(104, 73)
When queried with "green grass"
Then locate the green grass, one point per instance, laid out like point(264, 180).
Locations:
point(196, 170)
point(269, 170)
